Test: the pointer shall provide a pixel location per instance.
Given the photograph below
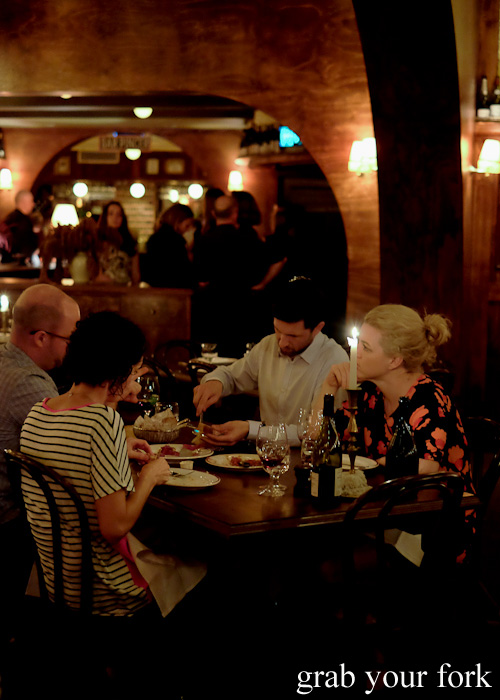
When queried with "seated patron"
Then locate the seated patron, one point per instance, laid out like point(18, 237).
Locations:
point(287, 368)
point(394, 346)
point(104, 358)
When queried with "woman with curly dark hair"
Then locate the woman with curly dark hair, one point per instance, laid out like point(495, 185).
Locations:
point(83, 439)
point(116, 247)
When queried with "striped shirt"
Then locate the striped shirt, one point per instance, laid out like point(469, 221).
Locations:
point(87, 446)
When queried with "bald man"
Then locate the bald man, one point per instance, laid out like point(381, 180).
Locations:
point(43, 320)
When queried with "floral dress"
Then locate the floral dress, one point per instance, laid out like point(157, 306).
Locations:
point(437, 429)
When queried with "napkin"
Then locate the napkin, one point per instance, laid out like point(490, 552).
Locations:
point(169, 578)
point(354, 484)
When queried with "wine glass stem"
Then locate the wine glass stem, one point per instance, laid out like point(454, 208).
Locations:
point(275, 480)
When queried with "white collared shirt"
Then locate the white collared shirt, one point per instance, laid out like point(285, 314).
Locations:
point(284, 384)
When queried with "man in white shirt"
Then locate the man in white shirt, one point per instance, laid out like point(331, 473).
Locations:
point(286, 369)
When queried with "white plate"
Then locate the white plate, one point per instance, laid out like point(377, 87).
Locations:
point(191, 479)
point(199, 453)
point(216, 360)
point(223, 462)
point(361, 462)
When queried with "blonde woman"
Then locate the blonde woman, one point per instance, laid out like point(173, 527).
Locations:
point(395, 345)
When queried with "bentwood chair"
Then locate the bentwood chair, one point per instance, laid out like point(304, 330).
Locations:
point(483, 437)
point(379, 584)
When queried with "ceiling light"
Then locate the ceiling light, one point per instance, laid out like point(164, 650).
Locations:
point(80, 189)
point(173, 195)
point(137, 190)
point(143, 112)
point(133, 153)
point(66, 96)
point(195, 190)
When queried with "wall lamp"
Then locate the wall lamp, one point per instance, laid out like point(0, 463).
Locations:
point(363, 156)
point(489, 158)
point(5, 179)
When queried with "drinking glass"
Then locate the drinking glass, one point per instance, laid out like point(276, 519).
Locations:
point(149, 393)
point(208, 351)
point(274, 451)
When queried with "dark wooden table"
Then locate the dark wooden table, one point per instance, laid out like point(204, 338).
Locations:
point(233, 507)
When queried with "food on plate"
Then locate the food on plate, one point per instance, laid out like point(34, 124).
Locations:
point(185, 451)
point(240, 461)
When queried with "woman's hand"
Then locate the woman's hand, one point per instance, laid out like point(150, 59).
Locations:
point(138, 449)
point(155, 472)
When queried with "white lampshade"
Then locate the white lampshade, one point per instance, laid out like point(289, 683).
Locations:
point(489, 158)
point(363, 156)
point(64, 215)
point(143, 112)
point(235, 181)
point(5, 179)
point(173, 195)
point(137, 190)
point(133, 153)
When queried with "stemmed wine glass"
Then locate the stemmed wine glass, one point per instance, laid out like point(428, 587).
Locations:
point(274, 450)
point(148, 394)
point(308, 424)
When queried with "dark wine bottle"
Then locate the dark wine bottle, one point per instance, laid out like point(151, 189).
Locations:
point(326, 474)
point(402, 456)
point(483, 102)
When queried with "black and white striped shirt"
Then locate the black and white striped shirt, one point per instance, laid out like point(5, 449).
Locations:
point(87, 446)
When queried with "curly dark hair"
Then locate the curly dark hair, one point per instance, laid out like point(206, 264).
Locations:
point(129, 244)
point(104, 347)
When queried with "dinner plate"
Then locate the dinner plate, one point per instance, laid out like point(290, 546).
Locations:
point(198, 453)
point(361, 462)
point(224, 462)
point(216, 360)
point(191, 479)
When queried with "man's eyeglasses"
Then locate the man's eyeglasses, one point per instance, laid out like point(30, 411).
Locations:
point(55, 335)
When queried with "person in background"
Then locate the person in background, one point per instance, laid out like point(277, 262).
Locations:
point(287, 368)
point(167, 262)
point(116, 247)
point(208, 219)
point(23, 239)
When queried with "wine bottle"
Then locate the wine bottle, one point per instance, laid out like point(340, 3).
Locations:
point(326, 474)
point(483, 104)
point(495, 102)
point(402, 456)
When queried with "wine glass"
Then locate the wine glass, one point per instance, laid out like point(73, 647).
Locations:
point(148, 394)
point(274, 451)
point(309, 423)
point(208, 351)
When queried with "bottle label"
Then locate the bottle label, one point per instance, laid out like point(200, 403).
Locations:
point(315, 484)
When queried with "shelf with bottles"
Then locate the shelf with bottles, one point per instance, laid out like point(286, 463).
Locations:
point(488, 104)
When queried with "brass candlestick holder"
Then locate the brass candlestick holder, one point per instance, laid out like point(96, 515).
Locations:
point(353, 444)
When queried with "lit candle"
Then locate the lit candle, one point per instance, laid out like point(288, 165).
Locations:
point(353, 373)
point(4, 302)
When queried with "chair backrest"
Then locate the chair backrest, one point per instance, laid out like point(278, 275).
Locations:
point(49, 483)
point(443, 547)
point(483, 436)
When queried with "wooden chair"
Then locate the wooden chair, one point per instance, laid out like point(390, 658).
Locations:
point(483, 436)
point(379, 584)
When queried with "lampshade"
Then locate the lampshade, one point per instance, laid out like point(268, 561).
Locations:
point(235, 181)
point(143, 112)
point(363, 156)
point(64, 215)
point(133, 153)
point(5, 179)
point(489, 158)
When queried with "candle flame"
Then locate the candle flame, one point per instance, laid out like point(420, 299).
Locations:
point(355, 332)
point(4, 302)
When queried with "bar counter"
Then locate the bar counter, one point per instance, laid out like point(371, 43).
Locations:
point(162, 314)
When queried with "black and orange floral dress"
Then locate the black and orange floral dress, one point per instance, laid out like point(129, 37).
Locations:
point(437, 429)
